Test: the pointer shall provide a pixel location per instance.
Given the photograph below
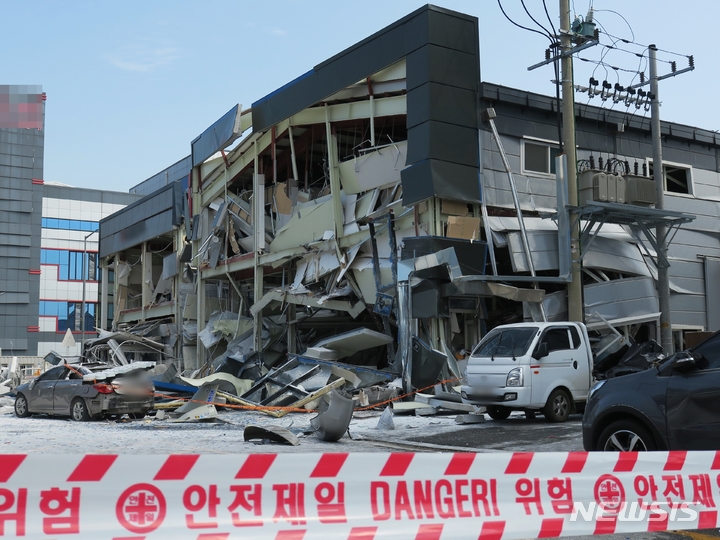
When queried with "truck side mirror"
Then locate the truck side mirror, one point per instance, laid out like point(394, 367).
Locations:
point(541, 351)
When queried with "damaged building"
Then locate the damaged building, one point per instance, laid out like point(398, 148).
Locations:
point(385, 209)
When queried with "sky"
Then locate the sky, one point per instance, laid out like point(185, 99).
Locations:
point(130, 84)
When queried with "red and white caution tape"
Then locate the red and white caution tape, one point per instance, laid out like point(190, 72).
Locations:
point(424, 496)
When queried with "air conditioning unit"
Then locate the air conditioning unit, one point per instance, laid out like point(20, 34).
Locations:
point(640, 190)
point(598, 186)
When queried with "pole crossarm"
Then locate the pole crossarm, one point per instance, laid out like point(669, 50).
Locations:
point(637, 218)
point(586, 45)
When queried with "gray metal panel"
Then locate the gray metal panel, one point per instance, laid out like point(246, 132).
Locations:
point(618, 299)
point(712, 293)
point(445, 142)
point(440, 178)
point(604, 254)
point(428, 24)
point(216, 137)
point(433, 63)
point(143, 220)
point(442, 103)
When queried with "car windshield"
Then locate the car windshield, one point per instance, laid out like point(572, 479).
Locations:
point(506, 342)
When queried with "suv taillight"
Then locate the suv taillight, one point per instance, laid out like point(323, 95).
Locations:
point(104, 388)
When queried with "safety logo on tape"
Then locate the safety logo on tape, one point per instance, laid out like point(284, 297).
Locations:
point(499, 496)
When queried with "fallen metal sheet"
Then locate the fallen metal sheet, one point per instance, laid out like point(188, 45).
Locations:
point(333, 419)
point(376, 169)
point(469, 419)
point(368, 375)
point(401, 407)
point(475, 286)
point(306, 225)
point(349, 343)
point(270, 433)
point(279, 413)
point(619, 302)
point(200, 407)
point(240, 385)
point(432, 401)
point(427, 363)
point(365, 205)
point(307, 300)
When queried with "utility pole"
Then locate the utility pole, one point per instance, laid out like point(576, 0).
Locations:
point(663, 283)
point(575, 291)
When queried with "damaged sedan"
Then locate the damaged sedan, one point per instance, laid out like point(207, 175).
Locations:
point(672, 405)
point(83, 394)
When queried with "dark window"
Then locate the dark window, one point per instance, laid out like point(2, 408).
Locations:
point(539, 157)
point(52, 374)
point(676, 179)
point(557, 339)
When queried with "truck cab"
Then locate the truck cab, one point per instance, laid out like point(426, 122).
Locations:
point(544, 367)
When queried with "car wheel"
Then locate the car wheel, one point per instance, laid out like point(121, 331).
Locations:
point(626, 436)
point(137, 415)
point(21, 407)
point(558, 406)
point(78, 411)
point(498, 413)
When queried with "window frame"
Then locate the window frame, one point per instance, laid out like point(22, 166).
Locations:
point(550, 145)
point(676, 165)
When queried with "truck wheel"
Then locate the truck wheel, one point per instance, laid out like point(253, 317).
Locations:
point(625, 436)
point(498, 413)
point(558, 406)
point(78, 410)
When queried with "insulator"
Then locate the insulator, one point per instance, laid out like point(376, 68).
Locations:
point(645, 169)
point(547, 54)
point(635, 168)
point(673, 66)
point(642, 76)
point(691, 61)
point(600, 163)
point(592, 162)
point(608, 166)
point(596, 35)
point(627, 167)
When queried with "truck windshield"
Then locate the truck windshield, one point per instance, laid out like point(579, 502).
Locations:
point(509, 342)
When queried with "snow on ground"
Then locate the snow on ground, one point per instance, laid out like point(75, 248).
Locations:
point(44, 434)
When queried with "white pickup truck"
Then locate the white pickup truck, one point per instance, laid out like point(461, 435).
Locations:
point(530, 367)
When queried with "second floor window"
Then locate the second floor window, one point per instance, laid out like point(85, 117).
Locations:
point(538, 157)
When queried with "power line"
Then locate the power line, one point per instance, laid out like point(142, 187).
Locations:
point(521, 26)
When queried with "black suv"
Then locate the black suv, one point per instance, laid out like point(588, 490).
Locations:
point(673, 405)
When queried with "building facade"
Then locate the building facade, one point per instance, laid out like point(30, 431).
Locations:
point(69, 270)
point(47, 249)
point(372, 193)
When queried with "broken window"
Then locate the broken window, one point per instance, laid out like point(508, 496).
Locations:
point(539, 157)
point(677, 178)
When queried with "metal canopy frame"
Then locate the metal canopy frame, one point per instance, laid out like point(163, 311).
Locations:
point(637, 218)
